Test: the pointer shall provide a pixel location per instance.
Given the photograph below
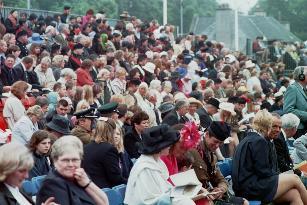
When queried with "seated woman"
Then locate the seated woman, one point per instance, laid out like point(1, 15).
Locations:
point(254, 171)
point(147, 183)
point(27, 125)
point(103, 170)
point(14, 170)
point(124, 159)
point(68, 183)
point(40, 145)
point(300, 149)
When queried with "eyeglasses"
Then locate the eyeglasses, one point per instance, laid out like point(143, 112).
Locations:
point(73, 160)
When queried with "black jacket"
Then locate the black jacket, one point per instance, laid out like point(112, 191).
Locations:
point(42, 166)
point(204, 117)
point(173, 119)
point(7, 77)
point(283, 156)
point(101, 163)
point(6, 197)
point(27, 76)
point(131, 141)
point(64, 191)
point(23, 48)
point(254, 170)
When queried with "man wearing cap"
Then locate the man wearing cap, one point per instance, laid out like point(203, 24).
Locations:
point(178, 114)
point(204, 161)
point(109, 110)
point(21, 42)
point(84, 125)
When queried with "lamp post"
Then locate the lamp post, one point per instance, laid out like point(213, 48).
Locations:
point(164, 12)
point(28, 4)
point(181, 17)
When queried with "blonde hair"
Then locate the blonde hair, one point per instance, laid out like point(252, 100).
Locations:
point(14, 156)
point(82, 105)
point(104, 131)
point(120, 72)
point(57, 60)
point(66, 144)
point(120, 99)
point(88, 94)
point(120, 145)
point(35, 110)
point(262, 122)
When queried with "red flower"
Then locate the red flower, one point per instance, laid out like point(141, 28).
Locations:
point(190, 135)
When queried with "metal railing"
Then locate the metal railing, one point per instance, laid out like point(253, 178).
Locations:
point(6, 11)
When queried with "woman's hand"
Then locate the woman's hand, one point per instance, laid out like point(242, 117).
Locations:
point(81, 177)
point(49, 201)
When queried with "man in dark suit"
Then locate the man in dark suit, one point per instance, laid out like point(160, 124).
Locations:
point(177, 115)
point(295, 99)
point(140, 122)
point(25, 73)
point(290, 123)
point(8, 74)
point(206, 112)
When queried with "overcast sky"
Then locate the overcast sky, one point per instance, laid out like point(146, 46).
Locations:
point(241, 5)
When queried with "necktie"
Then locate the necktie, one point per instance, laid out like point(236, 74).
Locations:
point(10, 77)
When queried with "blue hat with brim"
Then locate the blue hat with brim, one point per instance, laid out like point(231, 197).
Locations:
point(36, 38)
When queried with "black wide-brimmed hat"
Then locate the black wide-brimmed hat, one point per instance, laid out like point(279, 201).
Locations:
point(59, 124)
point(157, 138)
point(220, 130)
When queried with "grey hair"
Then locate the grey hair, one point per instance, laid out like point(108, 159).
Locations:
point(69, 72)
point(66, 144)
point(179, 104)
point(35, 110)
point(46, 59)
point(289, 121)
point(298, 70)
point(62, 26)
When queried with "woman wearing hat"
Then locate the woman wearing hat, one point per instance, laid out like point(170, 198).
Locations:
point(149, 169)
point(192, 114)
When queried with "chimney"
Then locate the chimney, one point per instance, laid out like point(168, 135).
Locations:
point(225, 25)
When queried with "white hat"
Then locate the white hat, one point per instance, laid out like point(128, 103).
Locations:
point(48, 29)
point(228, 107)
point(249, 64)
point(163, 53)
point(278, 94)
point(230, 58)
point(149, 54)
point(180, 96)
point(150, 67)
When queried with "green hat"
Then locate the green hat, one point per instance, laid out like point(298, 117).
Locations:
point(108, 108)
point(89, 113)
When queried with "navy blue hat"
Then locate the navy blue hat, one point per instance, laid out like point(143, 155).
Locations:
point(89, 113)
point(108, 108)
point(21, 33)
point(78, 46)
point(220, 130)
point(157, 138)
point(214, 102)
point(166, 107)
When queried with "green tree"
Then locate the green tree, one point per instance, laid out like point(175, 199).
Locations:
point(291, 11)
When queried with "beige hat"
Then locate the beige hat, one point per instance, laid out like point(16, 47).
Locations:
point(249, 64)
point(194, 101)
point(228, 107)
point(150, 67)
point(242, 89)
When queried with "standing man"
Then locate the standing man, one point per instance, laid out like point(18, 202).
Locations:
point(64, 16)
point(296, 98)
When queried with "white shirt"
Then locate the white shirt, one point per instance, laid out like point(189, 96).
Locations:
point(23, 130)
point(13, 110)
point(17, 195)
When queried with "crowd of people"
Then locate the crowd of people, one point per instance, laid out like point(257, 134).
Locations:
point(134, 104)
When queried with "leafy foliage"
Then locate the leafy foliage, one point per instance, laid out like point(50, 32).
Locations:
point(144, 9)
point(292, 11)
